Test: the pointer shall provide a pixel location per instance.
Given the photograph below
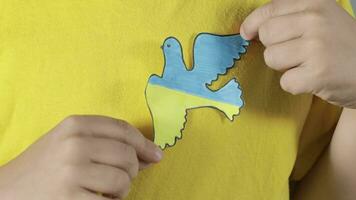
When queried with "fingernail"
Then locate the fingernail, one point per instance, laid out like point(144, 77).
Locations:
point(242, 32)
point(158, 154)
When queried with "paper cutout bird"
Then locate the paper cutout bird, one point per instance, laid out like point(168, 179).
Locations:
point(170, 96)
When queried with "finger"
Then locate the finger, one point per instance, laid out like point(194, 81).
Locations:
point(286, 55)
point(252, 23)
point(250, 26)
point(114, 153)
point(84, 194)
point(105, 180)
point(143, 165)
point(100, 126)
point(296, 81)
point(282, 28)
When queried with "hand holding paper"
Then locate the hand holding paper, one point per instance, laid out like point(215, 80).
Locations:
point(313, 42)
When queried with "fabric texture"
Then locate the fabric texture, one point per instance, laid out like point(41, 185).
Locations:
point(59, 58)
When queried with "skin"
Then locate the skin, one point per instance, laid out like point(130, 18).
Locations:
point(333, 176)
point(79, 158)
point(313, 43)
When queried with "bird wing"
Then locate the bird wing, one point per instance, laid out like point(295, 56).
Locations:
point(215, 54)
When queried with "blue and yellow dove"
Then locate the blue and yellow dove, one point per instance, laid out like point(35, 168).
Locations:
point(170, 96)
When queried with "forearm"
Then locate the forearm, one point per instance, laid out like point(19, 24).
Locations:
point(334, 175)
point(9, 177)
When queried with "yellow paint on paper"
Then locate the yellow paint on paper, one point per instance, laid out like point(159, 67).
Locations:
point(170, 107)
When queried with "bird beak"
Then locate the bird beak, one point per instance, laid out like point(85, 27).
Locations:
point(162, 47)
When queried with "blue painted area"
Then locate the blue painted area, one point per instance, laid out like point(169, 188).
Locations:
point(213, 55)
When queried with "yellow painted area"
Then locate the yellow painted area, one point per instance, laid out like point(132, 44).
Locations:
point(168, 108)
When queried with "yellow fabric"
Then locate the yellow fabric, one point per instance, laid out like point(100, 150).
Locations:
point(314, 137)
point(348, 6)
point(94, 57)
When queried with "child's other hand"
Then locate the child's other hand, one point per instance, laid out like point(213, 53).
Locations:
point(79, 158)
point(313, 42)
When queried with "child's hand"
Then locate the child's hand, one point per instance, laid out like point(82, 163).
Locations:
point(80, 157)
point(313, 42)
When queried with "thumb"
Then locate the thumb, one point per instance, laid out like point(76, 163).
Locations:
point(253, 22)
point(144, 165)
point(249, 28)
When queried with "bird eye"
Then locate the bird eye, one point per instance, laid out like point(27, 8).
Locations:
point(168, 45)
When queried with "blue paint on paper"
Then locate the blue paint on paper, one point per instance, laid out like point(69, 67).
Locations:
point(213, 55)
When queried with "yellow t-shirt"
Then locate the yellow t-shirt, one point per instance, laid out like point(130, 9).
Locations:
point(59, 58)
